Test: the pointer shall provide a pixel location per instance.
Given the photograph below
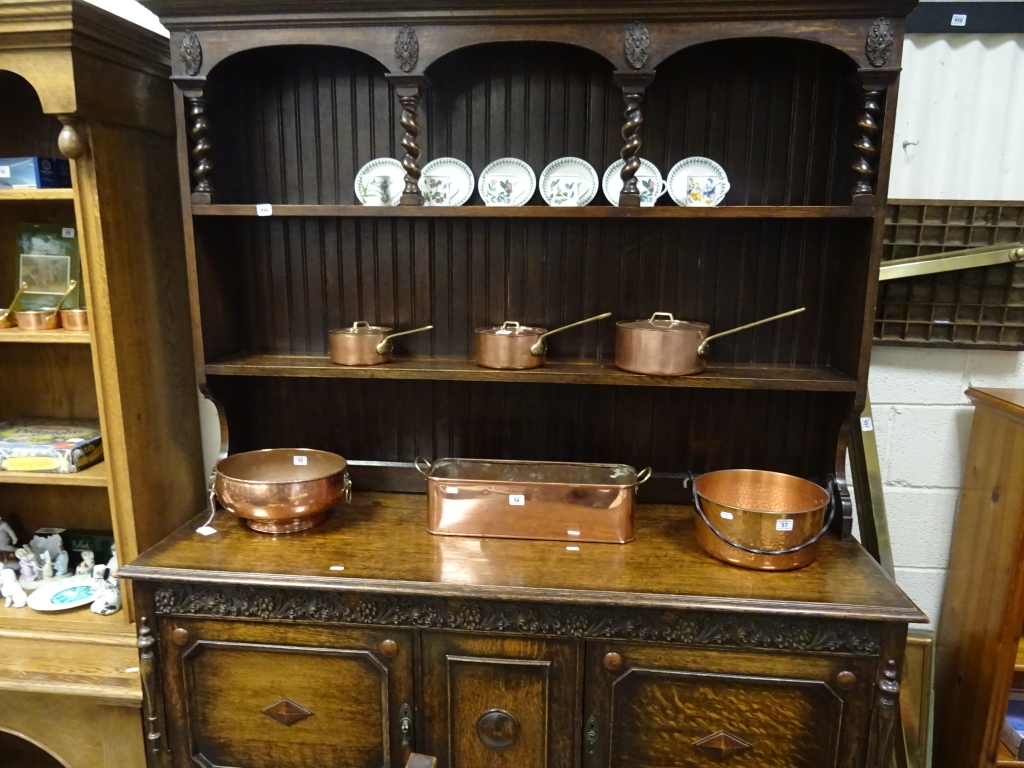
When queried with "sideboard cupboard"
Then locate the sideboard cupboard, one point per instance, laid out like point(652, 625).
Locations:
point(365, 639)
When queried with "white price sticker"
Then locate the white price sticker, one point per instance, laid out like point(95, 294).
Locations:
point(206, 530)
point(783, 525)
point(68, 232)
point(264, 209)
point(866, 424)
point(726, 515)
point(959, 20)
point(517, 500)
point(5, 171)
point(300, 461)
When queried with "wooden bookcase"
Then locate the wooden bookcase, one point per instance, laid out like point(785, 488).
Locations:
point(77, 80)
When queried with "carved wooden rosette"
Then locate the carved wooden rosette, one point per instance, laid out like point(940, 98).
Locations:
point(191, 53)
point(198, 131)
point(883, 728)
point(633, 85)
point(878, 46)
point(408, 89)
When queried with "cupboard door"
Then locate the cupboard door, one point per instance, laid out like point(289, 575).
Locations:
point(267, 696)
point(498, 702)
point(654, 706)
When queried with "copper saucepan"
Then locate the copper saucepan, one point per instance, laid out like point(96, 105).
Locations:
point(664, 346)
point(365, 344)
point(8, 317)
point(44, 319)
point(511, 346)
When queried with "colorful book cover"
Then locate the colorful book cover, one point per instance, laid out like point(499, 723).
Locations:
point(36, 445)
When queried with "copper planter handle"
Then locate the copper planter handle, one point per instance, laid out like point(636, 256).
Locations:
point(71, 286)
point(643, 476)
point(426, 468)
point(751, 550)
point(703, 348)
point(540, 346)
point(385, 345)
point(21, 289)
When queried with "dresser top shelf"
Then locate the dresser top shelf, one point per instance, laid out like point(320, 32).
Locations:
point(382, 543)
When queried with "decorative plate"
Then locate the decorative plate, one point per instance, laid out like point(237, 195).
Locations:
point(697, 181)
point(508, 181)
point(648, 180)
point(446, 181)
point(380, 182)
point(569, 181)
point(61, 594)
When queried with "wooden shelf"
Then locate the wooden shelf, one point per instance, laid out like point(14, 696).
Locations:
point(1005, 759)
point(721, 375)
point(548, 212)
point(60, 336)
point(37, 194)
point(92, 477)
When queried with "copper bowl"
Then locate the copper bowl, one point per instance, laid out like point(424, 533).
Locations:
point(762, 520)
point(75, 319)
point(38, 319)
point(282, 490)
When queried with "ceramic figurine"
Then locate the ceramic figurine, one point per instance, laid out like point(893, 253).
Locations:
point(8, 538)
point(107, 591)
point(112, 562)
point(60, 563)
point(30, 570)
point(11, 590)
point(47, 565)
point(88, 563)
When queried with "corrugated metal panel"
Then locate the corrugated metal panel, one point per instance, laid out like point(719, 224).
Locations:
point(961, 110)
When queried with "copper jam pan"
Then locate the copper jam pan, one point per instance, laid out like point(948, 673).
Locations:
point(281, 490)
point(766, 521)
point(550, 501)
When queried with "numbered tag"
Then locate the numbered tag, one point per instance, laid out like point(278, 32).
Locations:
point(726, 515)
point(300, 461)
point(264, 209)
point(866, 424)
point(206, 530)
point(517, 500)
point(783, 525)
point(67, 232)
point(959, 20)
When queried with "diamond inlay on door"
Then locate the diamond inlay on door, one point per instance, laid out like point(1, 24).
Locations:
point(722, 745)
point(286, 712)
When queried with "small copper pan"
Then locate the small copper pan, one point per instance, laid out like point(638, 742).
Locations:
point(365, 344)
point(664, 346)
point(44, 319)
point(74, 319)
point(511, 346)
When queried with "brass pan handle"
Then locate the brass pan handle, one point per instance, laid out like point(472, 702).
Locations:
point(385, 345)
point(71, 286)
point(703, 348)
point(423, 466)
point(540, 346)
point(21, 289)
point(642, 477)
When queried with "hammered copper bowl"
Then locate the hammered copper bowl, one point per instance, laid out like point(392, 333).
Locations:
point(282, 490)
point(766, 511)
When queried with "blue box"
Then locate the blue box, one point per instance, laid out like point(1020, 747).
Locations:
point(35, 173)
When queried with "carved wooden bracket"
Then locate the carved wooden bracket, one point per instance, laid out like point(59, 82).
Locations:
point(198, 131)
point(408, 88)
point(191, 53)
point(633, 85)
point(70, 141)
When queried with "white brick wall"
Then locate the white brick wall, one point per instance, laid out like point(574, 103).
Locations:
point(922, 426)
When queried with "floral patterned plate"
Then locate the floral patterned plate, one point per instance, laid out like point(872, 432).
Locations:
point(61, 594)
point(380, 182)
point(446, 181)
point(697, 181)
point(569, 181)
point(508, 181)
point(648, 181)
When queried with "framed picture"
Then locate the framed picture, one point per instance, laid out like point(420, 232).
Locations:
point(45, 274)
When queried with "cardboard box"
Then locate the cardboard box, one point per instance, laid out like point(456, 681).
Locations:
point(35, 173)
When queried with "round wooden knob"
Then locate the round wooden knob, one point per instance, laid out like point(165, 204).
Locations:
point(846, 680)
point(613, 661)
point(389, 648)
point(180, 636)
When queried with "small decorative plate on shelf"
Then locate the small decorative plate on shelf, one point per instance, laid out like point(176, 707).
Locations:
point(508, 181)
point(446, 181)
point(648, 181)
point(61, 594)
point(697, 181)
point(569, 182)
point(380, 182)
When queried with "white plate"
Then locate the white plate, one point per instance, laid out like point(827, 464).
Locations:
point(446, 181)
point(568, 182)
point(648, 179)
point(62, 594)
point(508, 181)
point(380, 182)
point(710, 184)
